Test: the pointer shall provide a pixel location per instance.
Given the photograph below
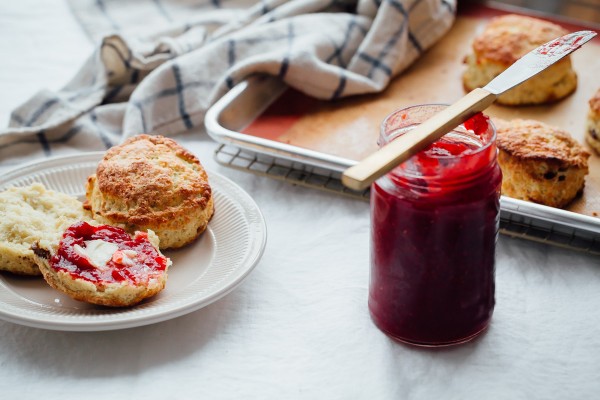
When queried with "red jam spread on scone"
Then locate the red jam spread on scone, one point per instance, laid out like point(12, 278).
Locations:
point(106, 254)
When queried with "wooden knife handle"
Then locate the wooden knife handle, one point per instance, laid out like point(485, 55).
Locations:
point(361, 175)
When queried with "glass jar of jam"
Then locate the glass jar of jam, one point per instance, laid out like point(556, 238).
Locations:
point(434, 226)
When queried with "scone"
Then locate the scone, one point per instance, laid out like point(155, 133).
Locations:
point(102, 264)
point(592, 134)
point(539, 162)
point(29, 214)
point(506, 39)
point(150, 182)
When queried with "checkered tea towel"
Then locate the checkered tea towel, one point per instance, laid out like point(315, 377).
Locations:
point(160, 64)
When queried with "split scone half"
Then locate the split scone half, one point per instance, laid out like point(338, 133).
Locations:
point(103, 264)
point(30, 214)
point(506, 39)
point(540, 163)
point(151, 182)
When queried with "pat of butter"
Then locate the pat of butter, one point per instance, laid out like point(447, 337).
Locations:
point(97, 251)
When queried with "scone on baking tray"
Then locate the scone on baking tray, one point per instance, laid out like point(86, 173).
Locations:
point(592, 134)
point(102, 264)
point(506, 39)
point(151, 182)
point(539, 162)
point(29, 214)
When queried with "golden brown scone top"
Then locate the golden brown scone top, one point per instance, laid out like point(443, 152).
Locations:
point(595, 102)
point(152, 176)
point(534, 140)
point(509, 37)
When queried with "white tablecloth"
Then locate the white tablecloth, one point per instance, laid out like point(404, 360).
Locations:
point(298, 327)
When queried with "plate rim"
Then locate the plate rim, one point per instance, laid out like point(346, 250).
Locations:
point(258, 232)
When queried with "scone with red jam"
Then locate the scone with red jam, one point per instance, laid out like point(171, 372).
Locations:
point(103, 264)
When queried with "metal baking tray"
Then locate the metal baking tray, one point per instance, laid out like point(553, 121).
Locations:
point(306, 167)
point(227, 122)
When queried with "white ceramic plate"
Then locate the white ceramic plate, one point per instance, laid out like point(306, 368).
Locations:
point(201, 272)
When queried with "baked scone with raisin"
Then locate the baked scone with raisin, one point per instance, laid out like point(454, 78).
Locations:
point(506, 39)
point(592, 134)
point(103, 264)
point(539, 162)
point(29, 214)
point(151, 182)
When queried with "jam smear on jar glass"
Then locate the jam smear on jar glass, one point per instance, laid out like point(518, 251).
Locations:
point(134, 259)
point(434, 225)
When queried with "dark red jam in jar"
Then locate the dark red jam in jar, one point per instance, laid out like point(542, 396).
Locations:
point(434, 225)
point(106, 254)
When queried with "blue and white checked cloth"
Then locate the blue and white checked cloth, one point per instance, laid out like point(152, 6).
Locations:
point(160, 64)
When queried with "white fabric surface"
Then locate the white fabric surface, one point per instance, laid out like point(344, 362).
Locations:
point(159, 64)
point(298, 327)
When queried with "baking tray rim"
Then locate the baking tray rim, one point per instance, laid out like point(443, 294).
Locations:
point(223, 134)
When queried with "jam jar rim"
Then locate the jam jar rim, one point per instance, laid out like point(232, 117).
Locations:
point(407, 174)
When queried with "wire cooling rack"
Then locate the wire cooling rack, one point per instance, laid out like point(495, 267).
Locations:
point(289, 171)
point(511, 224)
